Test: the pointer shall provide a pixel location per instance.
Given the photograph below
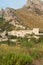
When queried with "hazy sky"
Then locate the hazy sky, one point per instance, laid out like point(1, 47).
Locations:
point(12, 3)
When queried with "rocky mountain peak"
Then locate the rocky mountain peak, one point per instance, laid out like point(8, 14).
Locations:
point(35, 5)
point(7, 13)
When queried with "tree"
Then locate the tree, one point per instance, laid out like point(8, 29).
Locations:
point(8, 38)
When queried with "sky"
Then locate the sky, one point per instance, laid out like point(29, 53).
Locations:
point(12, 3)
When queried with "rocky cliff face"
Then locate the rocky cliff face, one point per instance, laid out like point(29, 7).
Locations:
point(7, 14)
point(34, 5)
point(11, 19)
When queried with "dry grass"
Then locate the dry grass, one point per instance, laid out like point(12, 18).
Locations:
point(30, 19)
point(34, 53)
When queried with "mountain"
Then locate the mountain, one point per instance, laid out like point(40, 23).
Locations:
point(9, 20)
point(29, 16)
point(35, 5)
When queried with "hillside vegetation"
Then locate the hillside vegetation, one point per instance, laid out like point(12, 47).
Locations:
point(30, 19)
point(23, 53)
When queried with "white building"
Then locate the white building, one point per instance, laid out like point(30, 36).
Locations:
point(22, 33)
point(36, 31)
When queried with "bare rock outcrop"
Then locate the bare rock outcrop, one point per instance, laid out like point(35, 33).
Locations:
point(34, 5)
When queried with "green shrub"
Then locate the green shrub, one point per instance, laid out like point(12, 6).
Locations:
point(24, 42)
point(12, 37)
point(36, 54)
point(12, 58)
point(8, 43)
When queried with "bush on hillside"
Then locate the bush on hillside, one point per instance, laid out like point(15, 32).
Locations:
point(15, 59)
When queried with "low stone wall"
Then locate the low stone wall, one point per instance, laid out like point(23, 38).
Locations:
point(1, 39)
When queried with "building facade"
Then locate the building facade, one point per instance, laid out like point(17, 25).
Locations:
point(22, 33)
